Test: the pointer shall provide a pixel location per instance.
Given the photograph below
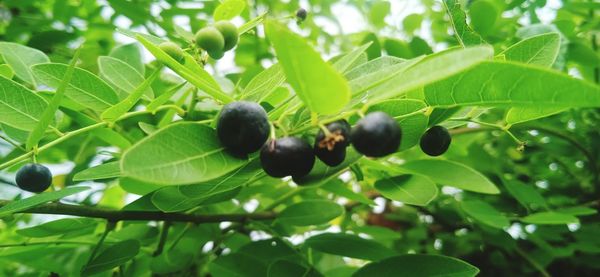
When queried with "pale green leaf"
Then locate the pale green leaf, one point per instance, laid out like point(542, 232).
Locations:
point(310, 212)
point(113, 113)
point(6, 71)
point(450, 173)
point(20, 107)
point(550, 218)
point(349, 245)
point(229, 9)
point(60, 227)
point(182, 153)
point(122, 76)
point(21, 58)
point(462, 31)
point(409, 189)
point(103, 171)
point(322, 89)
point(131, 54)
point(264, 83)
point(338, 187)
point(538, 50)
point(33, 201)
point(485, 213)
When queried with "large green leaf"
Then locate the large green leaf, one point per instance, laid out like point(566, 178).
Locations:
point(229, 9)
point(418, 266)
point(495, 83)
point(6, 71)
point(84, 88)
point(431, 69)
point(183, 153)
point(113, 113)
point(485, 213)
point(59, 227)
point(317, 83)
point(33, 201)
point(453, 174)
point(20, 107)
point(550, 218)
point(410, 189)
point(310, 212)
point(462, 31)
point(264, 83)
point(131, 54)
point(103, 171)
point(539, 50)
point(113, 256)
point(349, 245)
point(21, 58)
point(122, 76)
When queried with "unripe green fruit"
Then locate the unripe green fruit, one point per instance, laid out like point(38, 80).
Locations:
point(287, 156)
point(34, 178)
point(229, 32)
point(435, 141)
point(210, 39)
point(243, 127)
point(376, 135)
point(331, 149)
point(217, 54)
point(172, 50)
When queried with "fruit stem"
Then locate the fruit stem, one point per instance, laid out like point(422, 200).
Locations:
point(272, 134)
point(110, 225)
point(325, 130)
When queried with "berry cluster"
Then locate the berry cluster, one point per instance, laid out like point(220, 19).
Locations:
point(243, 128)
point(217, 39)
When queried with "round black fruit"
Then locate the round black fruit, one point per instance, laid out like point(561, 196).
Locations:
point(435, 141)
point(210, 39)
point(229, 32)
point(376, 135)
point(172, 50)
point(301, 14)
point(287, 156)
point(34, 178)
point(331, 148)
point(243, 127)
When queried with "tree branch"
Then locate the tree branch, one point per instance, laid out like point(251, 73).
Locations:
point(119, 215)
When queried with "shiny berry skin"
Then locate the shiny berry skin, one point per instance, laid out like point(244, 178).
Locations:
point(376, 135)
point(331, 149)
point(435, 141)
point(243, 127)
point(229, 32)
point(287, 156)
point(172, 50)
point(210, 39)
point(301, 14)
point(34, 178)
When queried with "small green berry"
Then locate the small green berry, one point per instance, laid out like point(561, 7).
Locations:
point(217, 54)
point(210, 39)
point(229, 32)
point(172, 50)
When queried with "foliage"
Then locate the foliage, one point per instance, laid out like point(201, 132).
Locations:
point(142, 185)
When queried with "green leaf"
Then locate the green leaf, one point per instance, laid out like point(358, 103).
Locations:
point(197, 77)
point(338, 187)
point(538, 50)
point(122, 76)
point(412, 22)
point(413, 126)
point(550, 218)
point(21, 108)
point(453, 174)
point(484, 16)
point(59, 227)
point(378, 12)
point(409, 189)
point(322, 89)
point(290, 269)
point(181, 198)
point(113, 113)
point(522, 114)
point(229, 9)
point(21, 58)
point(494, 83)
point(345, 62)
point(577, 211)
point(252, 23)
point(48, 115)
point(418, 265)
point(182, 153)
point(526, 195)
point(33, 201)
point(164, 97)
point(431, 69)
point(6, 71)
point(84, 88)
point(462, 31)
point(113, 256)
point(237, 265)
point(310, 212)
point(264, 83)
point(349, 245)
point(103, 171)
point(131, 54)
point(322, 173)
point(485, 213)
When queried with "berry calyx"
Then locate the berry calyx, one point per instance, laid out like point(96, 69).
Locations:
point(287, 156)
point(330, 148)
point(172, 50)
point(376, 135)
point(435, 141)
point(243, 127)
point(210, 39)
point(33, 178)
point(229, 32)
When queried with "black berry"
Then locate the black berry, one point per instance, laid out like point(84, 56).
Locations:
point(243, 127)
point(287, 156)
point(34, 178)
point(210, 39)
point(172, 50)
point(301, 14)
point(376, 135)
point(229, 32)
point(331, 149)
point(435, 141)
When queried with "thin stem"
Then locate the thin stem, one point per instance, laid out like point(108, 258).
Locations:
point(163, 238)
point(109, 227)
point(12, 143)
point(46, 243)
